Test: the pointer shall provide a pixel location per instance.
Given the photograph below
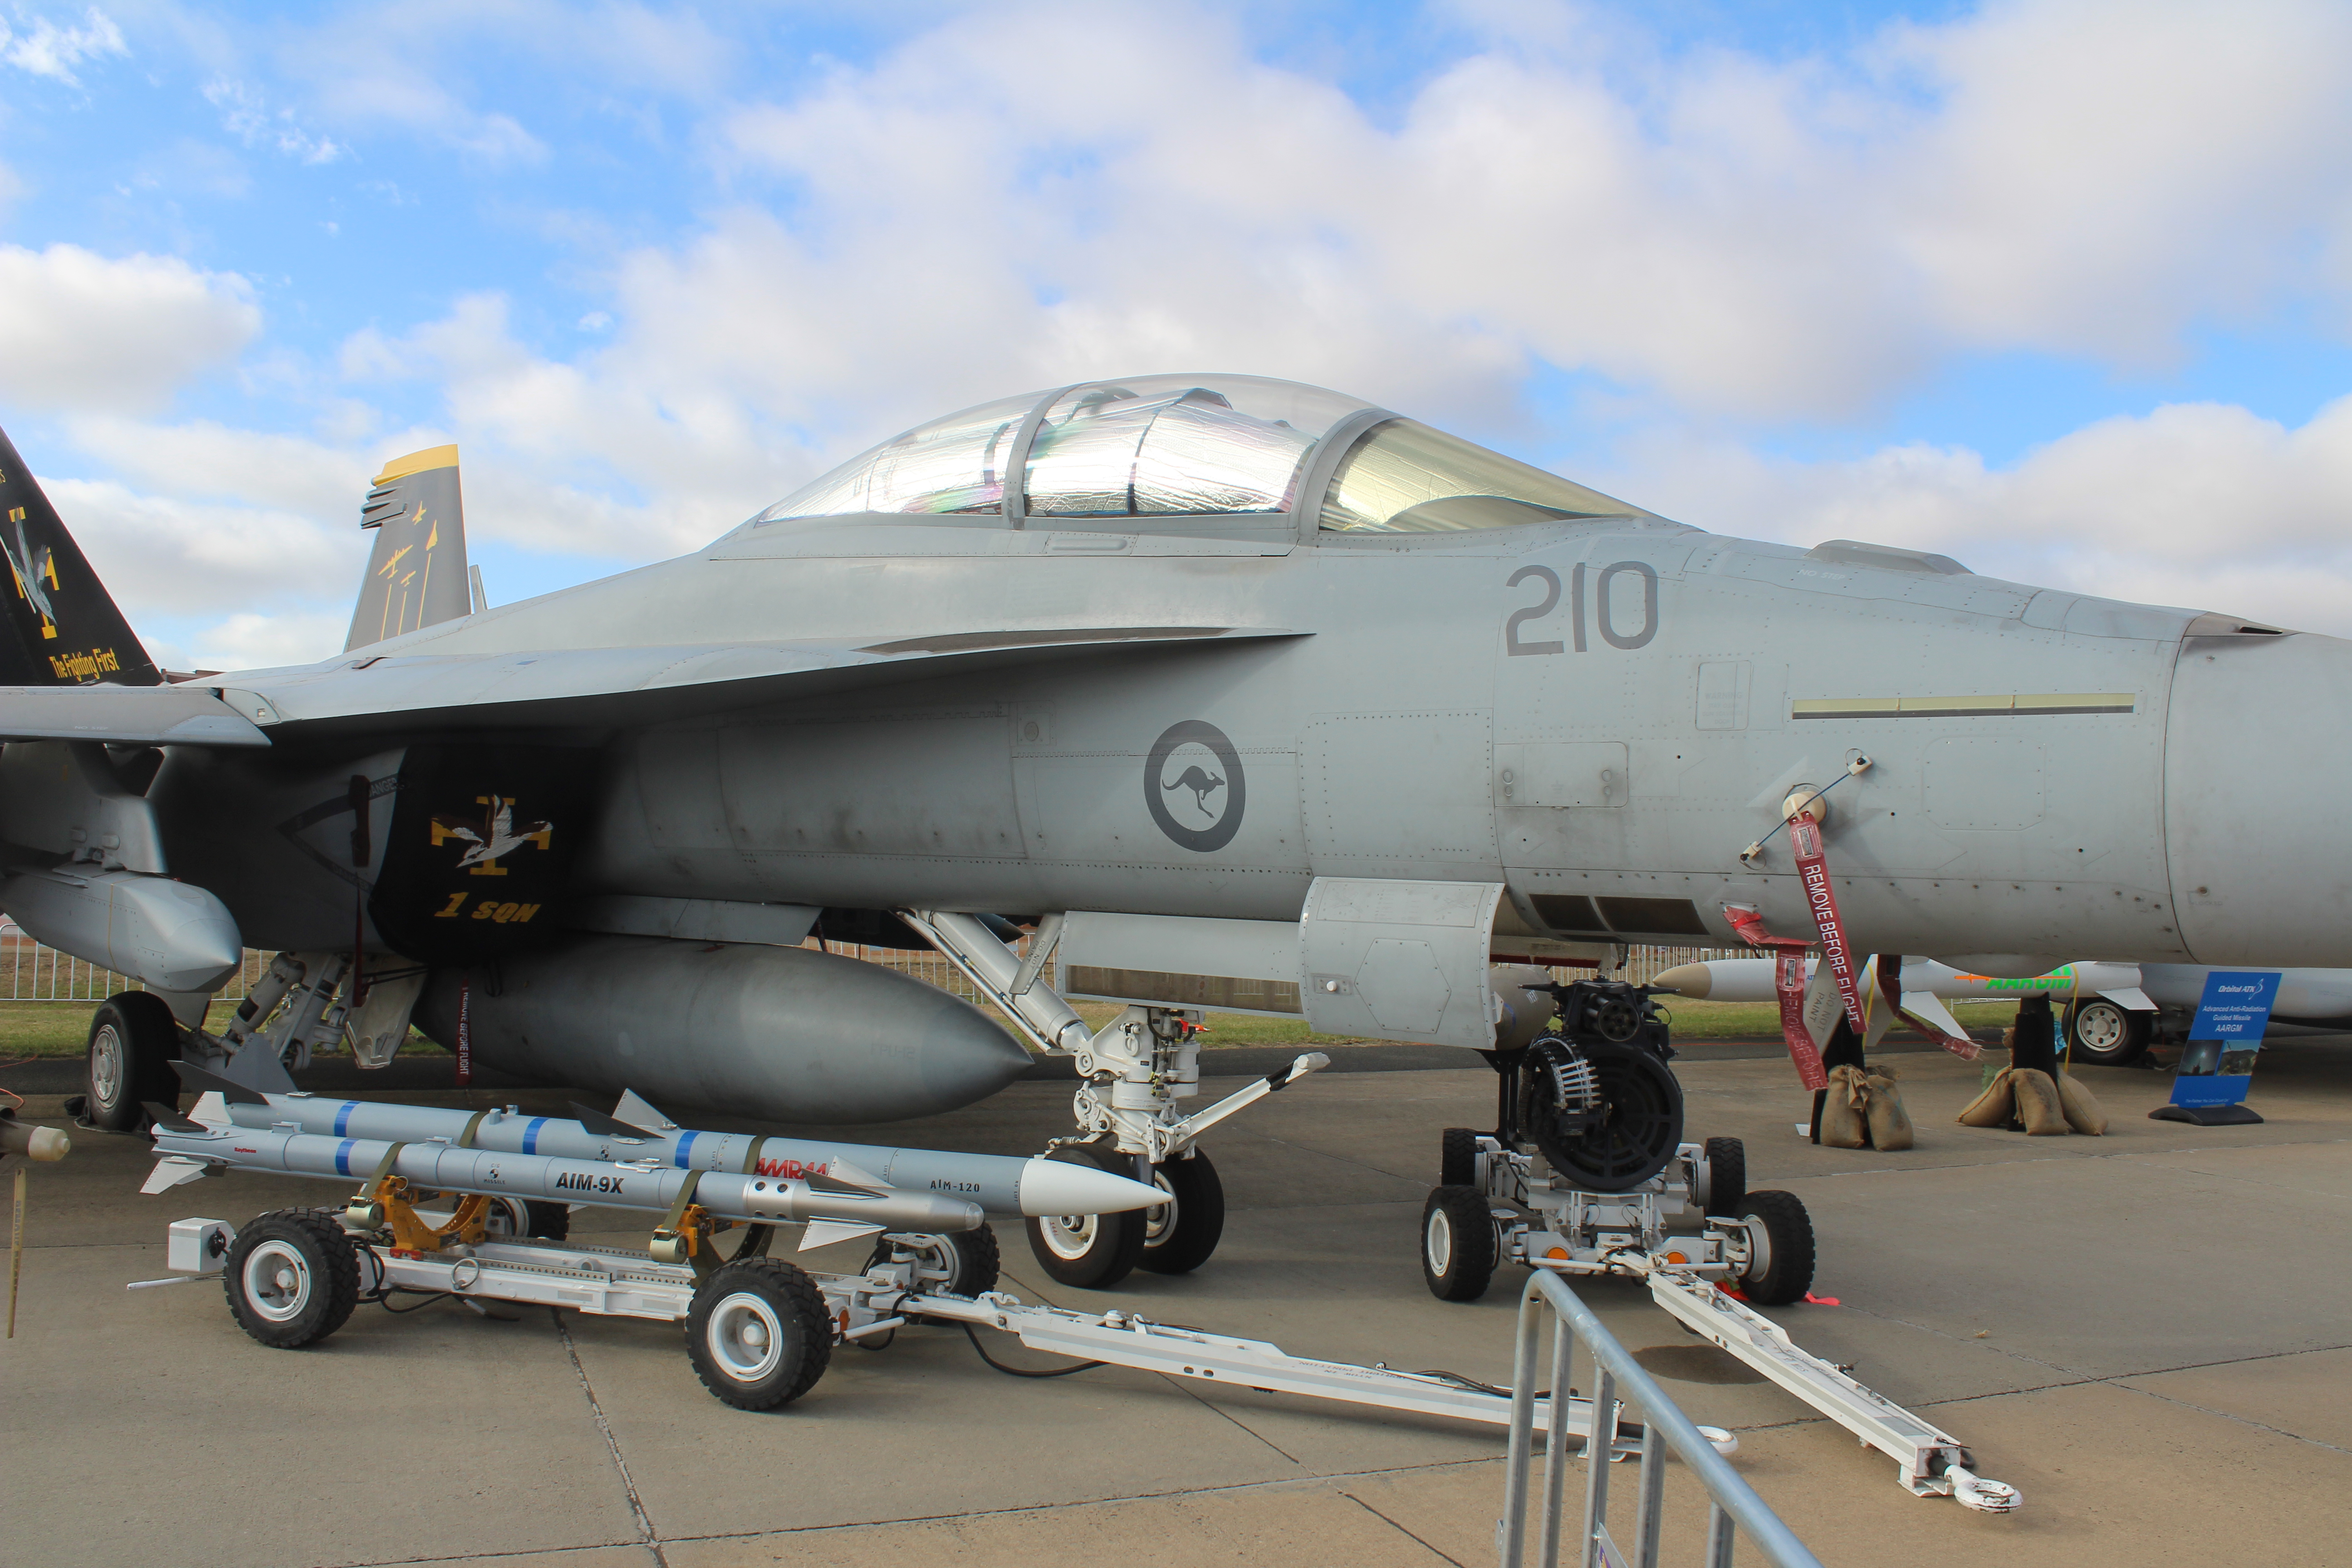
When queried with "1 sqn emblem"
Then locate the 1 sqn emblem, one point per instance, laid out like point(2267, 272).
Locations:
point(492, 838)
point(1193, 786)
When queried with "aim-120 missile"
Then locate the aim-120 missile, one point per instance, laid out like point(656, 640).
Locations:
point(996, 1183)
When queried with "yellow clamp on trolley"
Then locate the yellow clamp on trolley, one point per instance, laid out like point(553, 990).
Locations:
point(682, 1236)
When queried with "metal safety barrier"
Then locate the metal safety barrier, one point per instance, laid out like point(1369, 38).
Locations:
point(1618, 1380)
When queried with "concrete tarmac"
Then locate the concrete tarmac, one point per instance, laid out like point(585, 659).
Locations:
point(2145, 1332)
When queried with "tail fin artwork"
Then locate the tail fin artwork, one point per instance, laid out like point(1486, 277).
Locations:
point(416, 575)
point(63, 626)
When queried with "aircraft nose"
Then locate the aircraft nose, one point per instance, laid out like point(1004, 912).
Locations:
point(2257, 832)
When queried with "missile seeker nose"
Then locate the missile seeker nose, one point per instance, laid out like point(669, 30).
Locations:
point(1062, 1186)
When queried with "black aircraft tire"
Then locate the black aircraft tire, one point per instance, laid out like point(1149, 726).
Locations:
point(969, 1258)
point(1457, 1244)
point(133, 1040)
point(1726, 1176)
point(1093, 1252)
point(1780, 1266)
point(758, 1333)
point(292, 1278)
point(2103, 1034)
point(1457, 1154)
point(1193, 1220)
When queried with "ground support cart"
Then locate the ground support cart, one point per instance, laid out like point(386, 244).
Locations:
point(1692, 1233)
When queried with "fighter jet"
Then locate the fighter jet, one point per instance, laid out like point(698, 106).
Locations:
point(1239, 693)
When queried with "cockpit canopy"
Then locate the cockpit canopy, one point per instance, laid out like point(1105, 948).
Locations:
point(1236, 448)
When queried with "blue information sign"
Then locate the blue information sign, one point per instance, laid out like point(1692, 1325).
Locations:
point(2218, 1062)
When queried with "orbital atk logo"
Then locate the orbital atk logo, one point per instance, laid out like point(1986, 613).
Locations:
point(1193, 786)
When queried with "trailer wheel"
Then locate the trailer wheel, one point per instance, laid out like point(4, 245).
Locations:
point(2106, 1034)
point(134, 1039)
point(1092, 1251)
point(1726, 1176)
point(960, 1263)
point(292, 1278)
point(509, 1219)
point(1779, 1268)
point(758, 1333)
point(1179, 1235)
point(1457, 1156)
point(1457, 1243)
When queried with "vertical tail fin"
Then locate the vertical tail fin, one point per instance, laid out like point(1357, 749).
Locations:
point(416, 575)
point(63, 628)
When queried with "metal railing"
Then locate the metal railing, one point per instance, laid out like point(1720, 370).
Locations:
point(30, 972)
point(1617, 1377)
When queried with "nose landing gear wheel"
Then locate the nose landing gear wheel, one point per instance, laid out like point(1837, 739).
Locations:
point(1457, 1244)
point(1091, 1251)
point(134, 1039)
point(1179, 1235)
point(758, 1333)
point(292, 1279)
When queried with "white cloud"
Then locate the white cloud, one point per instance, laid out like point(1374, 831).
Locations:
point(248, 641)
point(47, 49)
point(245, 114)
point(82, 330)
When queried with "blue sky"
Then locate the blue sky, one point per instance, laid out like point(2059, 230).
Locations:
point(2059, 287)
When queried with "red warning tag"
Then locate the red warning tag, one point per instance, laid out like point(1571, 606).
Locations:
point(465, 1032)
point(1789, 985)
point(1821, 903)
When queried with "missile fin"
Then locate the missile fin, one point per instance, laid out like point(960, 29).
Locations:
point(826, 1232)
point(603, 1126)
point(201, 1080)
point(1927, 1005)
point(171, 1170)
point(841, 1176)
point(171, 1120)
point(632, 1108)
point(2130, 996)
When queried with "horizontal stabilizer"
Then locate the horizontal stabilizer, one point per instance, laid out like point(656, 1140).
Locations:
point(2130, 996)
point(603, 1126)
point(172, 1171)
point(826, 1232)
point(199, 1079)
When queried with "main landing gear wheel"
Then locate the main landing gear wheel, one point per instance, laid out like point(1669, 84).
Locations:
point(758, 1333)
point(1779, 1266)
point(133, 1040)
point(1178, 1234)
point(2106, 1034)
point(1457, 1154)
point(960, 1263)
point(511, 1217)
point(1457, 1244)
point(1092, 1251)
point(292, 1278)
point(1727, 1176)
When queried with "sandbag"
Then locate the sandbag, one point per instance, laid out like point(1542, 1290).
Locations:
point(1889, 1123)
point(2038, 1105)
point(2083, 1112)
point(1996, 1105)
point(1845, 1123)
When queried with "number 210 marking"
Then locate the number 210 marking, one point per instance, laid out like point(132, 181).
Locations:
point(1603, 609)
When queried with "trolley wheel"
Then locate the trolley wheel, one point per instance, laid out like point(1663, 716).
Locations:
point(1178, 1234)
point(1780, 1250)
point(1457, 1155)
point(2106, 1034)
point(758, 1333)
point(1726, 1176)
point(509, 1219)
point(1457, 1243)
point(292, 1278)
point(134, 1039)
point(960, 1263)
point(1092, 1251)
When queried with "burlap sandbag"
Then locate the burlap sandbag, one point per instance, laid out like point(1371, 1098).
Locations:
point(1845, 1123)
point(2084, 1113)
point(1889, 1123)
point(1995, 1106)
point(2038, 1105)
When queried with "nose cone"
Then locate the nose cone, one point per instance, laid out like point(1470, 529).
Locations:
point(1690, 979)
point(1065, 1186)
point(2258, 835)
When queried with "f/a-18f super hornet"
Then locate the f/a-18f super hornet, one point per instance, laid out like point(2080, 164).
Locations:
point(1242, 694)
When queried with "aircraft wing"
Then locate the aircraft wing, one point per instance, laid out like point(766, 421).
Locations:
point(567, 686)
point(124, 716)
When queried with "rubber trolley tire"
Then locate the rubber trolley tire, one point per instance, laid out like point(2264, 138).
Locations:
point(1457, 1244)
point(1457, 1157)
point(1093, 1252)
point(969, 1257)
point(1780, 1267)
point(2103, 1034)
point(133, 1040)
point(292, 1278)
point(758, 1333)
point(1193, 1218)
point(1726, 1176)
